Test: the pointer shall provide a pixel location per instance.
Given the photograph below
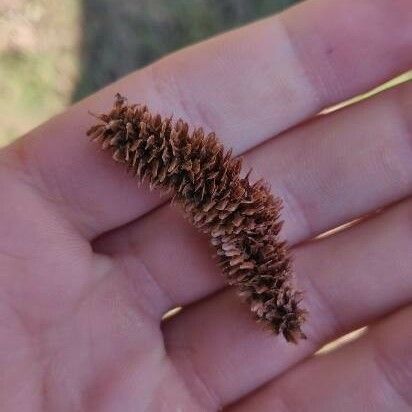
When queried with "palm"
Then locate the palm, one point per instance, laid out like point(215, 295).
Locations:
point(61, 334)
point(90, 263)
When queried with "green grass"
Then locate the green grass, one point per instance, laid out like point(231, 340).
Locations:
point(29, 94)
point(38, 62)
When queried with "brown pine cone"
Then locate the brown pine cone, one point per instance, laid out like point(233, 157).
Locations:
point(242, 219)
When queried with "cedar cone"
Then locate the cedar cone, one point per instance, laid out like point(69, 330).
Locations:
point(241, 219)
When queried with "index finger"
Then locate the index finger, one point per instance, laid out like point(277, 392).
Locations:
point(246, 85)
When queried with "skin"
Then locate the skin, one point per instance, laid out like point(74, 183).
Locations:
point(90, 262)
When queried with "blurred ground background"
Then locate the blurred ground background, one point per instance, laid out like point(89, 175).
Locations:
point(53, 52)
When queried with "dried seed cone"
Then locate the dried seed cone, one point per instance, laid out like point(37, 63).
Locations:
point(242, 219)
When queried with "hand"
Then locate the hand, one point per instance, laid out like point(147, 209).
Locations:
point(90, 263)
